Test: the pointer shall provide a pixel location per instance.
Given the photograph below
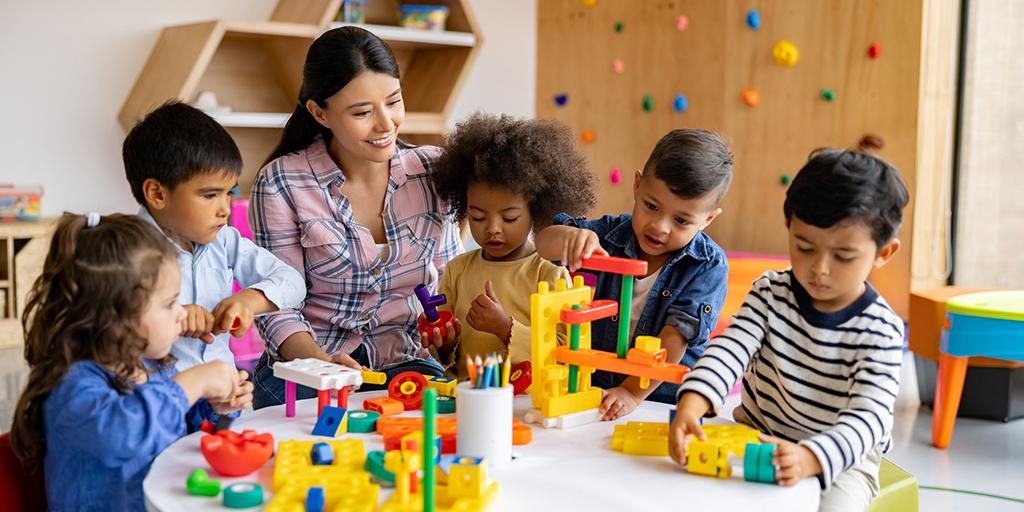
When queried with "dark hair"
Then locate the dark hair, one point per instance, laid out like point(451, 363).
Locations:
point(837, 186)
point(173, 144)
point(86, 304)
point(333, 60)
point(533, 158)
point(692, 163)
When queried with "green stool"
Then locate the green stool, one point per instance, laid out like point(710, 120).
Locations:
point(898, 491)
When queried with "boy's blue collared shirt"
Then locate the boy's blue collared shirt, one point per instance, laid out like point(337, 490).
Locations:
point(207, 277)
point(688, 294)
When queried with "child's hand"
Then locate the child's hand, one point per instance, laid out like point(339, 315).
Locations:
point(578, 245)
point(345, 360)
point(232, 314)
point(215, 381)
point(792, 461)
point(487, 315)
point(241, 399)
point(198, 323)
point(686, 426)
point(617, 402)
point(453, 329)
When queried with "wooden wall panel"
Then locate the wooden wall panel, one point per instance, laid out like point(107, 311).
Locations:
point(711, 62)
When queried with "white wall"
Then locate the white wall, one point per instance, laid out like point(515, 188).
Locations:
point(66, 71)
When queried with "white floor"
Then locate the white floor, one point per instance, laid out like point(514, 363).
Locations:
point(984, 456)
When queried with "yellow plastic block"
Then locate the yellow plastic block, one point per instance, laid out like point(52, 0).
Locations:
point(450, 503)
point(552, 407)
point(349, 493)
point(641, 438)
point(647, 343)
point(445, 386)
point(702, 458)
point(293, 464)
point(545, 315)
point(467, 478)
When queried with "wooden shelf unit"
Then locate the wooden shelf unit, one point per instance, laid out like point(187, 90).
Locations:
point(256, 69)
point(23, 248)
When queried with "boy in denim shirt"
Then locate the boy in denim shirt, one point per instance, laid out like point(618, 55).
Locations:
point(676, 196)
point(181, 165)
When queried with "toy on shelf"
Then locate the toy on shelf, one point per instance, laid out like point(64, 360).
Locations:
point(562, 394)
point(234, 454)
point(319, 375)
point(432, 317)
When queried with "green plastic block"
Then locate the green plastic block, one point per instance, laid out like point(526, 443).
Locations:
point(199, 484)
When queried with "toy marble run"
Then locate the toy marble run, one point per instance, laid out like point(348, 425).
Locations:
point(562, 394)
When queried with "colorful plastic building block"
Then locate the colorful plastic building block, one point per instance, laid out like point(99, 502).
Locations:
point(702, 458)
point(316, 374)
point(386, 406)
point(293, 465)
point(623, 266)
point(362, 421)
point(199, 484)
point(432, 317)
point(445, 386)
point(351, 492)
point(521, 377)
point(757, 463)
point(321, 454)
point(243, 495)
point(641, 438)
point(371, 377)
point(330, 421)
point(234, 454)
point(407, 387)
point(445, 404)
point(315, 499)
point(375, 466)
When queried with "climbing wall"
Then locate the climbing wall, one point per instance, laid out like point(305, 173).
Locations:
point(776, 78)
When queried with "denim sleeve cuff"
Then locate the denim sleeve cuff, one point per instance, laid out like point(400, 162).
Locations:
point(687, 325)
point(562, 219)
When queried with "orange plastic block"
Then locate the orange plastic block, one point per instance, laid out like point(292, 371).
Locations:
point(608, 361)
point(234, 454)
point(623, 266)
point(645, 358)
point(394, 428)
point(384, 405)
point(590, 312)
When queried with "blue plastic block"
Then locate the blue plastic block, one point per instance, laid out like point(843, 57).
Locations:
point(315, 499)
point(322, 454)
point(329, 421)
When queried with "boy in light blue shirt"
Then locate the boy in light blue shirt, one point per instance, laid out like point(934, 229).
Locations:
point(181, 164)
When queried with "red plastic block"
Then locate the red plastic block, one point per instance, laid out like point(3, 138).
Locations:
point(234, 454)
point(521, 376)
point(623, 266)
point(590, 312)
point(407, 387)
point(426, 327)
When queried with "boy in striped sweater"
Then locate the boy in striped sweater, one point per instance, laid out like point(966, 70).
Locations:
point(819, 350)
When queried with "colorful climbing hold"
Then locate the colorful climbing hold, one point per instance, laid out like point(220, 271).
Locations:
point(785, 179)
point(589, 3)
point(618, 66)
point(619, 27)
point(785, 53)
point(648, 103)
point(870, 142)
point(587, 136)
point(682, 22)
point(828, 94)
point(615, 176)
point(754, 19)
point(750, 97)
point(874, 50)
point(679, 104)
point(561, 99)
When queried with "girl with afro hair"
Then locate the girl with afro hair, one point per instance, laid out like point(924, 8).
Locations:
point(508, 177)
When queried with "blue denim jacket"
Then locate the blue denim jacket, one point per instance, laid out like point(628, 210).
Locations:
point(688, 294)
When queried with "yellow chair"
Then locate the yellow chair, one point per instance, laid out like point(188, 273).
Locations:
point(898, 490)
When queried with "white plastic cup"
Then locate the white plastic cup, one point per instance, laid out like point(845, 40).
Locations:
point(484, 423)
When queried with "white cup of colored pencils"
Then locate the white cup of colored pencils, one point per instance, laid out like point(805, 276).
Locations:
point(490, 371)
point(483, 407)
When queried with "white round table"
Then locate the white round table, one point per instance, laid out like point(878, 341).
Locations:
point(573, 469)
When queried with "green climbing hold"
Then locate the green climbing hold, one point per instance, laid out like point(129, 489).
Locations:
point(785, 179)
point(619, 27)
point(828, 95)
point(648, 103)
point(199, 484)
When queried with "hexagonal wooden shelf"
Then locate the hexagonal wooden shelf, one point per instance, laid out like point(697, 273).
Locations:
point(256, 69)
